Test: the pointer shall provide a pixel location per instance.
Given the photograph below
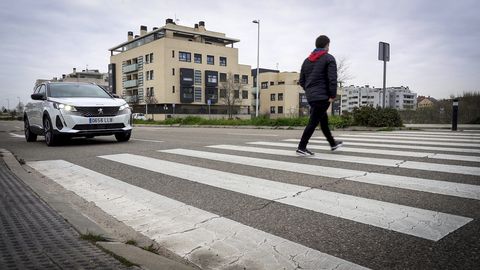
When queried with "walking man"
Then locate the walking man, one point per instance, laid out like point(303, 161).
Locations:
point(318, 78)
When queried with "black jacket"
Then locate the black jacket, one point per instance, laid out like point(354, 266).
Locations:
point(318, 76)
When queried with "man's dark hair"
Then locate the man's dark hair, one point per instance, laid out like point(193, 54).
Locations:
point(322, 41)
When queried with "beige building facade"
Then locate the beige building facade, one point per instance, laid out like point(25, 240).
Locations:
point(178, 70)
point(280, 95)
point(86, 75)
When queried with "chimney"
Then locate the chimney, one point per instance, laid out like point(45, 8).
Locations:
point(155, 28)
point(130, 35)
point(64, 76)
point(201, 25)
point(143, 30)
point(169, 21)
point(136, 36)
point(74, 70)
point(196, 27)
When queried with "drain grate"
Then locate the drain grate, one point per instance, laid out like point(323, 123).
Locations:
point(34, 236)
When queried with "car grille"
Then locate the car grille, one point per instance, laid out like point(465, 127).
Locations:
point(98, 126)
point(97, 111)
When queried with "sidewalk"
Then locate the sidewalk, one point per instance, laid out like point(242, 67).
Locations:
point(33, 236)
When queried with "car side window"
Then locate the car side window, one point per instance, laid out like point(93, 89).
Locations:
point(36, 89)
point(42, 90)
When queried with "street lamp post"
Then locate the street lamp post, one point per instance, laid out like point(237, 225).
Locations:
point(258, 65)
point(8, 104)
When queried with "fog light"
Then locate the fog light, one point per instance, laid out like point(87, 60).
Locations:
point(58, 123)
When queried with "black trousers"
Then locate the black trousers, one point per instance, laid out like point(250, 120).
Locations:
point(318, 114)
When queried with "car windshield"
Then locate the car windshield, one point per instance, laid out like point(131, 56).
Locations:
point(64, 90)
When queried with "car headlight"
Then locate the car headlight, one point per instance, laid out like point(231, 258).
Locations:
point(68, 108)
point(123, 107)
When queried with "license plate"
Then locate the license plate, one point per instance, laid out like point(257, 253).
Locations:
point(100, 120)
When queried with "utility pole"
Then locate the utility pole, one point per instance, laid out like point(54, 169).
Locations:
point(384, 55)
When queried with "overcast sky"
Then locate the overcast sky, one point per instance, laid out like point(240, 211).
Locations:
point(435, 44)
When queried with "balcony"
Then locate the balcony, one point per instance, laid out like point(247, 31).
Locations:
point(131, 99)
point(130, 68)
point(130, 83)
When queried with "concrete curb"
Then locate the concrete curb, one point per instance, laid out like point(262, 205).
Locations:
point(87, 218)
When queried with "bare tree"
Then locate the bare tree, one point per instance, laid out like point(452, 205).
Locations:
point(230, 93)
point(343, 72)
point(149, 100)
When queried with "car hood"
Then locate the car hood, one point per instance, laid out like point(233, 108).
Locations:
point(90, 102)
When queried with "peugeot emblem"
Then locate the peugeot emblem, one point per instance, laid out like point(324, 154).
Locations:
point(100, 111)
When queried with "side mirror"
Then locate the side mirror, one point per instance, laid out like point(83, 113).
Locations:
point(38, 96)
point(115, 96)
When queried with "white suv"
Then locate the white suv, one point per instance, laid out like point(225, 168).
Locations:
point(62, 110)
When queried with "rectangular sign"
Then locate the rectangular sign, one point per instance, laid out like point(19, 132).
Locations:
point(383, 51)
point(100, 120)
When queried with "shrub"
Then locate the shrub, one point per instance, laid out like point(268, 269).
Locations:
point(376, 117)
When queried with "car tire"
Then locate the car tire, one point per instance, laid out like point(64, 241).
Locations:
point(51, 139)
point(29, 135)
point(123, 137)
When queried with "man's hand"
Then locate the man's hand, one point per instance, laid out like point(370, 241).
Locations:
point(331, 100)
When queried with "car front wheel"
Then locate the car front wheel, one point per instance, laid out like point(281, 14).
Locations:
point(123, 137)
point(29, 135)
point(50, 138)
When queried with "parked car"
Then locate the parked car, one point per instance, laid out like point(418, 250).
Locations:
point(71, 109)
point(139, 116)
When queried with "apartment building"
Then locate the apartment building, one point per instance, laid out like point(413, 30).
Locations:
point(400, 98)
point(86, 75)
point(280, 94)
point(177, 70)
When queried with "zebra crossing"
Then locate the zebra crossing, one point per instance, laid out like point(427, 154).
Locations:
point(214, 241)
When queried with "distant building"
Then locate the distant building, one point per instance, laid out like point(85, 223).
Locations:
point(280, 94)
point(425, 102)
point(400, 98)
point(87, 75)
point(178, 69)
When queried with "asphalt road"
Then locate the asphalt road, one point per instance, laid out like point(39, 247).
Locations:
point(349, 238)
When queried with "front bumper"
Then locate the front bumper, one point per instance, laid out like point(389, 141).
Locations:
point(76, 126)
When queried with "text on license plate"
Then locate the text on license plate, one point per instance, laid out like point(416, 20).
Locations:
point(100, 120)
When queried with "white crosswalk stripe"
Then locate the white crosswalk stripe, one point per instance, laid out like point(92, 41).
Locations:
point(372, 150)
point(408, 135)
point(418, 184)
point(186, 230)
point(412, 138)
point(434, 133)
point(435, 167)
point(457, 144)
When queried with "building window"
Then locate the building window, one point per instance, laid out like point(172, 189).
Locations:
point(236, 94)
point(147, 59)
point(185, 56)
point(223, 77)
point(264, 85)
point(272, 83)
point(223, 93)
point(280, 109)
point(223, 61)
point(281, 82)
point(272, 97)
point(236, 78)
point(245, 94)
point(150, 92)
point(149, 75)
point(280, 97)
point(272, 109)
point(173, 89)
point(244, 79)
point(173, 71)
point(198, 94)
point(173, 53)
point(151, 58)
point(197, 58)
point(198, 77)
point(212, 78)
point(210, 60)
